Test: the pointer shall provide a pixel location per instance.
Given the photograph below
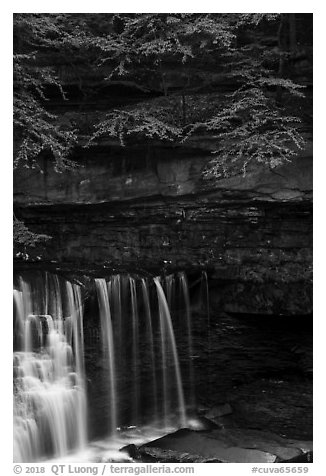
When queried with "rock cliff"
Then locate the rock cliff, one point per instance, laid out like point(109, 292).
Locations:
point(152, 209)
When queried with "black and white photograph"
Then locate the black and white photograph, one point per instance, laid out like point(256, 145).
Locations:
point(162, 231)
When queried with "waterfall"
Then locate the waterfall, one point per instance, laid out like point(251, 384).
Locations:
point(115, 298)
point(142, 381)
point(150, 338)
point(150, 353)
point(135, 350)
point(167, 327)
point(75, 310)
point(49, 390)
point(163, 335)
point(108, 347)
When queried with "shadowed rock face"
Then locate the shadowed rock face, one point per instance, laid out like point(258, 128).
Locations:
point(258, 254)
point(111, 174)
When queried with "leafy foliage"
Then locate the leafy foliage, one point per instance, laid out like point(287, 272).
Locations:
point(249, 129)
point(38, 131)
point(24, 239)
point(249, 124)
point(35, 129)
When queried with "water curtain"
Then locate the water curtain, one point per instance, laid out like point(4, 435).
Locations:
point(49, 383)
point(143, 377)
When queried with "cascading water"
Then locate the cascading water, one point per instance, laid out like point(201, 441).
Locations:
point(150, 338)
point(135, 351)
point(139, 378)
point(108, 347)
point(49, 391)
point(148, 360)
point(167, 331)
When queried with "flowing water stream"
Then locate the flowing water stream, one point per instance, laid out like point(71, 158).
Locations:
point(50, 415)
point(142, 377)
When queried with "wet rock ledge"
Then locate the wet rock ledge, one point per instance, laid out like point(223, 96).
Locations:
point(222, 446)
